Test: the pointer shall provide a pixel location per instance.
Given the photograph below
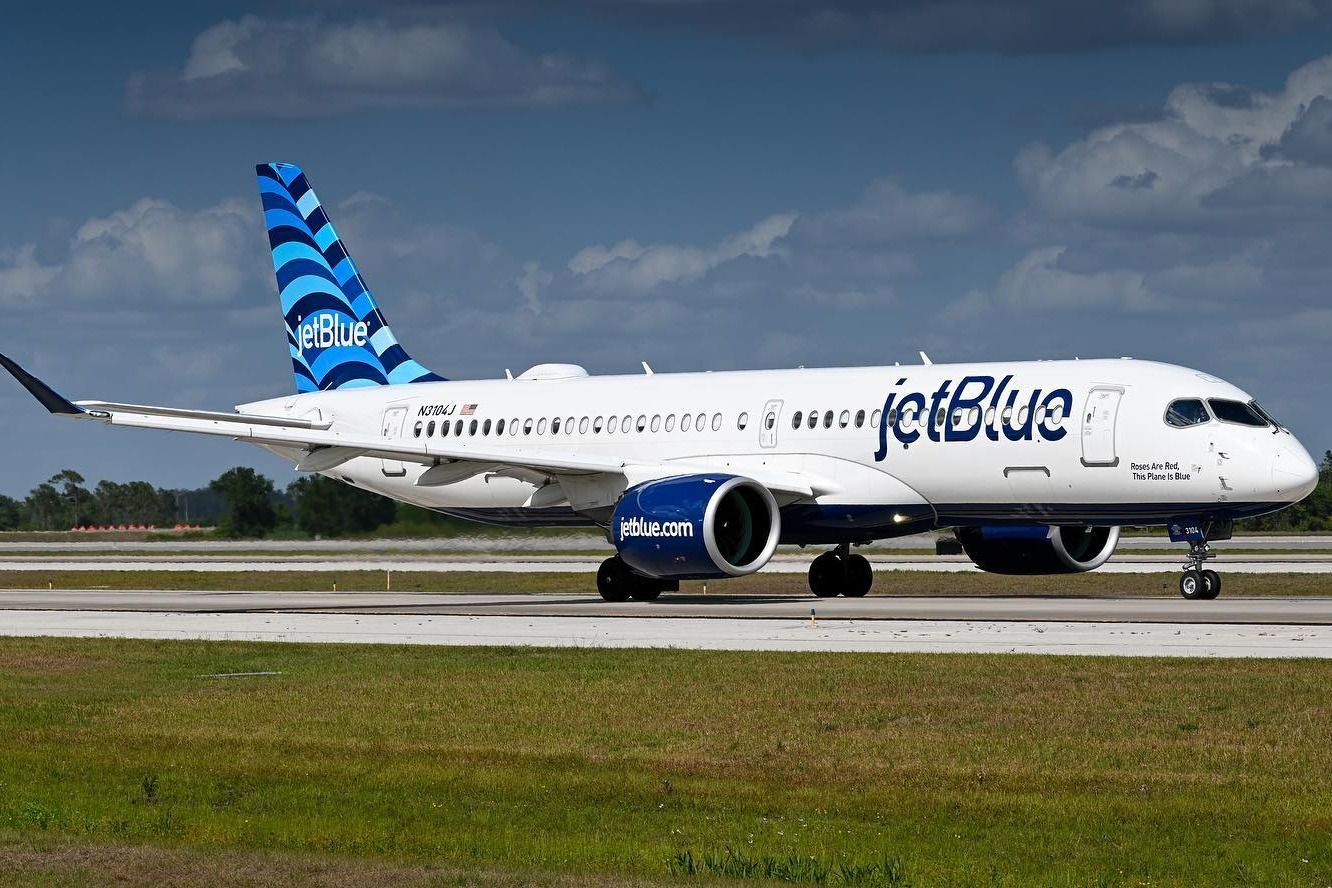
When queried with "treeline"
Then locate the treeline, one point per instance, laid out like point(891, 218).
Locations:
point(243, 503)
point(239, 503)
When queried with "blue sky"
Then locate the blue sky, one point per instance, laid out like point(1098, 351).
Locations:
point(702, 184)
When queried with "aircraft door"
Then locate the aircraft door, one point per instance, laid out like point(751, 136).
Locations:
point(772, 414)
point(1098, 426)
point(392, 428)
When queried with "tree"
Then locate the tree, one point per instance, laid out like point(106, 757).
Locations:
point(249, 503)
point(10, 513)
point(330, 508)
point(70, 485)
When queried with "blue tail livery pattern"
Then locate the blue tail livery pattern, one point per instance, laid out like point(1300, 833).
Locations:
point(336, 333)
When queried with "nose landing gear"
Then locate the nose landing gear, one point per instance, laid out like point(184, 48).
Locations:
point(841, 573)
point(1197, 583)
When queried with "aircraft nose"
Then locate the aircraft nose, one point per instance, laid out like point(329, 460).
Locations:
point(1294, 473)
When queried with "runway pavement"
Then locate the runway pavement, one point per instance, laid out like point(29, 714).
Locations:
point(518, 563)
point(840, 635)
point(1304, 610)
point(1227, 627)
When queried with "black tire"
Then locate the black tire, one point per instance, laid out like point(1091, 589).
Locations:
point(1192, 585)
point(645, 589)
point(615, 581)
point(827, 575)
point(859, 577)
point(1212, 584)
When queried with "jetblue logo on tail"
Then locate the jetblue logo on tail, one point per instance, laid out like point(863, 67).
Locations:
point(976, 405)
point(327, 331)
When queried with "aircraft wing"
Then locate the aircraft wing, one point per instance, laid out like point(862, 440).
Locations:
point(325, 448)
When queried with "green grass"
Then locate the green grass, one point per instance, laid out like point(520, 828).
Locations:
point(488, 582)
point(593, 766)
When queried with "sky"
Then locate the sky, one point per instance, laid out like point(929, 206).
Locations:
point(701, 184)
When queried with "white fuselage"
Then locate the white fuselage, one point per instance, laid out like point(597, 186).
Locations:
point(1070, 442)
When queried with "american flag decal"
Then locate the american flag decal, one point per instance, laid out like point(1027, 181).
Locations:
point(468, 409)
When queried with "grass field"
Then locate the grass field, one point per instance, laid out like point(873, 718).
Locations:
point(125, 760)
point(482, 582)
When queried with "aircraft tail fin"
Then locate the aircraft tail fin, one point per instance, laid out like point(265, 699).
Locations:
point(336, 333)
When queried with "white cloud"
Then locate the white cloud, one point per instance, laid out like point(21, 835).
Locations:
point(150, 253)
point(631, 266)
point(1220, 152)
point(257, 67)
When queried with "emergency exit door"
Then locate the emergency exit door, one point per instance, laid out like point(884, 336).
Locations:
point(1098, 426)
point(768, 423)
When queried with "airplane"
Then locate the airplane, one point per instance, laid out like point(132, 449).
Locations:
point(1034, 466)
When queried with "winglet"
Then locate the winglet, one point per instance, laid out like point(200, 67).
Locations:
point(49, 397)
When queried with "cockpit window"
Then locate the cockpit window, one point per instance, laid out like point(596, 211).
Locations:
point(1257, 408)
point(1186, 412)
point(1236, 411)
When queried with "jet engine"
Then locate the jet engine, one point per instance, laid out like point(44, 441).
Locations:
point(1038, 548)
point(696, 527)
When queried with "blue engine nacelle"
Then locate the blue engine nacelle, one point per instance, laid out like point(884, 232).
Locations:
point(696, 527)
point(1038, 548)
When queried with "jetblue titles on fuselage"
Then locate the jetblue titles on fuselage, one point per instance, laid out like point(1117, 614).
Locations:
point(970, 407)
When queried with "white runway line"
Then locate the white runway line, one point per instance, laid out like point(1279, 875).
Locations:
point(1114, 639)
point(1156, 564)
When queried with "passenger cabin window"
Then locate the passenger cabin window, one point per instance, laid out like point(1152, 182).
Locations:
point(626, 424)
point(596, 425)
point(844, 419)
point(444, 429)
point(485, 429)
point(795, 419)
point(701, 422)
point(813, 419)
point(527, 426)
point(656, 423)
point(471, 428)
point(860, 418)
point(741, 421)
point(874, 419)
point(716, 422)
point(457, 428)
point(555, 426)
point(499, 427)
point(416, 430)
point(670, 422)
point(1236, 411)
point(641, 423)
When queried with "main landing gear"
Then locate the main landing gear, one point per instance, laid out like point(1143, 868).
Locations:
point(841, 573)
point(616, 582)
point(1197, 584)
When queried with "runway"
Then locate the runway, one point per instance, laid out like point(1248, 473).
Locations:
point(519, 563)
point(1237, 627)
point(1304, 610)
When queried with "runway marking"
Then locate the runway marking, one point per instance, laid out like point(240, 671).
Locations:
point(939, 636)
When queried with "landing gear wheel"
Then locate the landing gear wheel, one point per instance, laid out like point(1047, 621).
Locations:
point(1192, 585)
point(827, 575)
point(615, 581)
point(645, 589)
point(1211, 584)
point(859, 576)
